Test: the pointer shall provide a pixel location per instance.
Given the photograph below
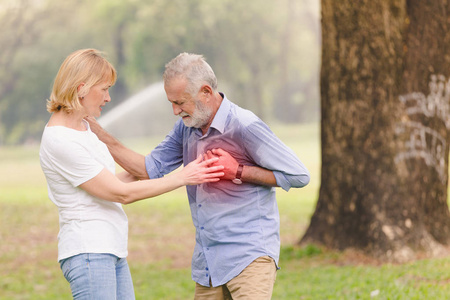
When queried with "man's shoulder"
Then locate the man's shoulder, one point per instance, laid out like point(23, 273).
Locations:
point(243, 116)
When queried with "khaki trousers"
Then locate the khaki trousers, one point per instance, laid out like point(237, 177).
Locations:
point(256, 281)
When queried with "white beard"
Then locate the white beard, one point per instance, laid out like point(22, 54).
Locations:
point(199, 118)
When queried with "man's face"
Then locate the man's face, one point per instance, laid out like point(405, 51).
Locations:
point(193, 111)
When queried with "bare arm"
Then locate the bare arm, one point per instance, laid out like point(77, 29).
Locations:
point(258, 175)
point(251, 174)
point(126, 177)
point(131, 161)
point(109, 187)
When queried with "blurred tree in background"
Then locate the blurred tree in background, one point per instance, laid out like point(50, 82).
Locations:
point(385, 88)
point(265, 53)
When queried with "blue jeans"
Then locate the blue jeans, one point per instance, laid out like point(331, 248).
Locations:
point(98, 276)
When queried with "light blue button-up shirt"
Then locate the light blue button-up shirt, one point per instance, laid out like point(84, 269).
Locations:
point(235, 224)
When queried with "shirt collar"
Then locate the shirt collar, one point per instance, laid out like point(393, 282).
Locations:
point(220, 118)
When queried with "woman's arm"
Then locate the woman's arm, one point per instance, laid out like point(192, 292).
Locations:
point(124, 176)
point(108, 187)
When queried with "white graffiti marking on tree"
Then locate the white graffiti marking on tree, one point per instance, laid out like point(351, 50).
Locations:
point(423, 141)
point(436, 104)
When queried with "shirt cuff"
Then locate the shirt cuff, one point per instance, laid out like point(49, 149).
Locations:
point(282, 181)
point(150, 167)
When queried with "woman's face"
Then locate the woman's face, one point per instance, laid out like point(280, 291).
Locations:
point(97, 97)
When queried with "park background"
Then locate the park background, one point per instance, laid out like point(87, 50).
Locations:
point(266, 55)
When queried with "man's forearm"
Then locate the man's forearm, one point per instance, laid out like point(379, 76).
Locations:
point(131, 161)
point(258, 175)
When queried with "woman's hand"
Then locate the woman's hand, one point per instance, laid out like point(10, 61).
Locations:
point(224, 159)
point(199, 171)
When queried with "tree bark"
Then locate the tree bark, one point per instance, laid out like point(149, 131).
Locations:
point(385, 92)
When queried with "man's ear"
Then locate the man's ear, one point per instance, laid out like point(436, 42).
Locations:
point(206, 90)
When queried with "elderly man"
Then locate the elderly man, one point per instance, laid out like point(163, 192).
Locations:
point(236, 219)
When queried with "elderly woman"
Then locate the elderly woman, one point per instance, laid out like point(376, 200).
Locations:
point(80, 173)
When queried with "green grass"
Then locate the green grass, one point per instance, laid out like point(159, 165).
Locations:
point(161, 241)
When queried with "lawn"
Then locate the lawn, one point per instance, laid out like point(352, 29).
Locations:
point(161, 241)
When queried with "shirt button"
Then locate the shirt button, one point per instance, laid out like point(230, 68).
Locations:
point(202, 228)
point(199, 205)
point(207, 269)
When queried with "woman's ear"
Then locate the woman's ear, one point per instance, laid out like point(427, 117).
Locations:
point(80, 88)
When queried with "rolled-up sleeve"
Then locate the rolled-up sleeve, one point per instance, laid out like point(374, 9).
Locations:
point(167, 156)
point(269, 152)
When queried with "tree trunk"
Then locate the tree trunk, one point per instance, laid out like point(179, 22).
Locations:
point(385, 93)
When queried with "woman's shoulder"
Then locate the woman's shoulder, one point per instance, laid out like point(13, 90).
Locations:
point(59, 134)
point(60, 140)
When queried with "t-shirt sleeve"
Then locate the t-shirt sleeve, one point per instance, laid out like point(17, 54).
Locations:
point(72, 160)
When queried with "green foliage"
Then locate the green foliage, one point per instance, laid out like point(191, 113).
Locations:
point(244, 41)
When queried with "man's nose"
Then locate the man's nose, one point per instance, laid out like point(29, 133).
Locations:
point(176, 109)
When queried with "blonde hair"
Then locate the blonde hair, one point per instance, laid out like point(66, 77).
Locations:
point(86, 67)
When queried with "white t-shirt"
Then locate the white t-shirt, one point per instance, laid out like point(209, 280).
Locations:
point(87, 224)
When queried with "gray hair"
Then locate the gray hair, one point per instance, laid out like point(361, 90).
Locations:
point(194, 69)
